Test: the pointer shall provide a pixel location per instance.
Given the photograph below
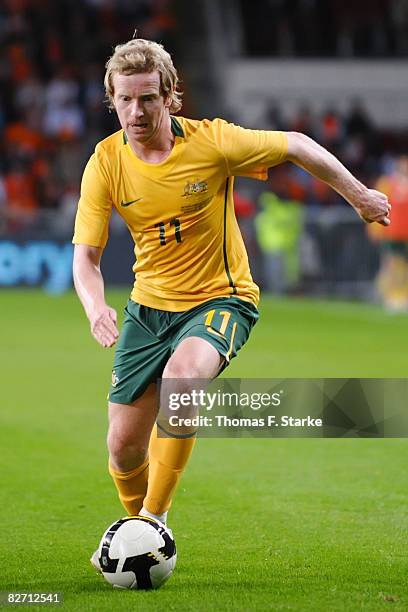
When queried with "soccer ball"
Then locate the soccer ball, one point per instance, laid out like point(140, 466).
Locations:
point(137, 552)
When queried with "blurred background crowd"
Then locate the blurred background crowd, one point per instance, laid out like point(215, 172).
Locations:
point(51, 102)
point(52, 114)
point(327, 28)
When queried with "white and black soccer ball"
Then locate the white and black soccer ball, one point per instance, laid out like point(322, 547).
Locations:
point(137, 552)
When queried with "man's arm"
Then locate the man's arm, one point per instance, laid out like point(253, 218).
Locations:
point(370, 204)
point(89, 286)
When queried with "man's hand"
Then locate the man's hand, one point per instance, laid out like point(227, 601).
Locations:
point(90, 288)
point(103, 325)
point(373, 206)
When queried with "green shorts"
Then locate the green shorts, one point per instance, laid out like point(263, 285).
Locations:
point(149, 337)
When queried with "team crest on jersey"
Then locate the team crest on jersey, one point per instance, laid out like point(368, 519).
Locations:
point(115, 378)
point(194, 187)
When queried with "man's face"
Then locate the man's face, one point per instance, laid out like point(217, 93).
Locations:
point(142, 110)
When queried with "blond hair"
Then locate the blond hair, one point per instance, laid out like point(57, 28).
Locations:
point(137, 56)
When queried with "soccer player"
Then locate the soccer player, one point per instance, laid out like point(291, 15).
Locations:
point(392, 279)
point(193, 302)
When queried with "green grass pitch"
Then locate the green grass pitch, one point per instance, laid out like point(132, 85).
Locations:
point(260, 524)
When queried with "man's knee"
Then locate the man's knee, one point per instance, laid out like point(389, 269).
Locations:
point(130, 426)
point(125, 453)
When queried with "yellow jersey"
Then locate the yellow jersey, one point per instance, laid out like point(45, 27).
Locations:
point(180, 212)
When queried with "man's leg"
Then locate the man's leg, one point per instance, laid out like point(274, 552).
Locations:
point(130, 427)
point(193, 358)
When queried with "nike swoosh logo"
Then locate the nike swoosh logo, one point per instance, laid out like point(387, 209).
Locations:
point(129, 203)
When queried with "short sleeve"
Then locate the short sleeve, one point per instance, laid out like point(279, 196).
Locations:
point(94, 207)
point(250, 152)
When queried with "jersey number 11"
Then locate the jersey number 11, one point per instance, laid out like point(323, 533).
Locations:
point(162, 230)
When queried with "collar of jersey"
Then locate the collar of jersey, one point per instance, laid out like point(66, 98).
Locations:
point(164, 166)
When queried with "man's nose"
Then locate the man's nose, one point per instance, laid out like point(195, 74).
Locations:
point(135, 109)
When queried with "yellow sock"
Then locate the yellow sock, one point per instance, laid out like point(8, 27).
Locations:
point(168, 457)
point(131, 486)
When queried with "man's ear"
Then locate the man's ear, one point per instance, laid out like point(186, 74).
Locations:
point(167, 102)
